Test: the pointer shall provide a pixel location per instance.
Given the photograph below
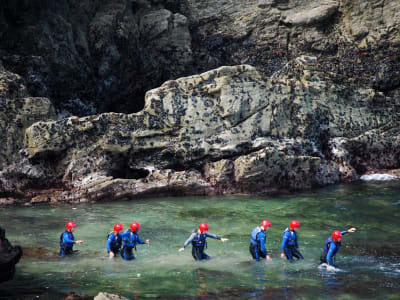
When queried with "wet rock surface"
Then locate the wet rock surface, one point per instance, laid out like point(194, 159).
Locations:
point(311, 98)
point(9, 257)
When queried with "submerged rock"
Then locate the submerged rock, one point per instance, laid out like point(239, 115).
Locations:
point(108, 296)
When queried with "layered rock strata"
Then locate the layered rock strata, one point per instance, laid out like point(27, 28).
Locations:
point(320, 105)
point(224, 131)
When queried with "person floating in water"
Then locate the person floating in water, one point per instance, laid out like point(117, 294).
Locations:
point(114, 240)
point(332, 246)
point(198, 240)
point(67, 240)
point(257, 241)
point(129, 240)
point(290, 247)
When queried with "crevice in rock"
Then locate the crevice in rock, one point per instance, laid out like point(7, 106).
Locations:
point(128, 173)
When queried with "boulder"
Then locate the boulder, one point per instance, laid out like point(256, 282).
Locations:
point(9, 257)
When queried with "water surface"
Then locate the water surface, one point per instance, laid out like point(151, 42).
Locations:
point(369, 259)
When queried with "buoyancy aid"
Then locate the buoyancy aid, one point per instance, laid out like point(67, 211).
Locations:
point(327, 246)
point(199, 239)
point(292, 237)
point(70, 236)
point(254, 236)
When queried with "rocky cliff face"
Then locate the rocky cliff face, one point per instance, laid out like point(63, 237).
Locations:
point(320, 103)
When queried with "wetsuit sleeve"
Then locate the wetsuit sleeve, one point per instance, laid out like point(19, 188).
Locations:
point(329, 257)
point(284, 241)
point(296, 244)
point(261, 237)
point(109, 242)
point(189, 240)
point(139, 240)
point(213, 236)
point(344, 232)
point(66, 239)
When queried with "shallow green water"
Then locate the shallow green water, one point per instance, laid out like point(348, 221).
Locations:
point(369, 259)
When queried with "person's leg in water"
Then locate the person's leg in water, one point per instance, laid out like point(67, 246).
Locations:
point(296, 253)
point(253, 251)
point(127, 253)
point(288, 253)
point(198, 253)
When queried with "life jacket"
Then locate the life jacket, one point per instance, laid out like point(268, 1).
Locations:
point(292, 237)
point(254, 236)
point(116, 240)
point(327, 245)
point(199, 240)
point(131, 240)
point(71, 237)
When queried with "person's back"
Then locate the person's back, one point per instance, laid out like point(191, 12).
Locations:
point(257, 246)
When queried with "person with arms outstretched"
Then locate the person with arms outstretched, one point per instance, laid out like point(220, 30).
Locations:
point(198, 240)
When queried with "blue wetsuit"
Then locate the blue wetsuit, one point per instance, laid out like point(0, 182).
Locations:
point(331, 248)
point(129, 241)
point(198, 241)
point(114, 243)
point(257, 244)
point(67, 241)
point(289, 245)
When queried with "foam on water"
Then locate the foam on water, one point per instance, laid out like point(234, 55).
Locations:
point(378, 177)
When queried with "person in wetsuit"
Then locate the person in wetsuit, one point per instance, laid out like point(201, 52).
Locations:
point(332, 246)
point(290, 246)
point(114, 240)
point(198, 240)
point(129, 240)
point(67, 240)
point(257, 241)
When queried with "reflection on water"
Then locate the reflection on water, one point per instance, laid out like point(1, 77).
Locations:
point(369, 259)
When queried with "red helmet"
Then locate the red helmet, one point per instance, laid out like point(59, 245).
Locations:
point(70, 225)
point(266, 224)
point(135, 226)
point(118, 227)
point(336, 235)
point(203, 227)
point(294, 224)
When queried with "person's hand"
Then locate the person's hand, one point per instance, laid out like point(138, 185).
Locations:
point(282, 255)
point(147, 242)
point(351, 229)
point(181, 249)
point(224, 240)
point(111, 254)
point(78, 242)
point(269, 258)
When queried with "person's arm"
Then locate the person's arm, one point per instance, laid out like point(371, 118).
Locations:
point(188, 241)
point(350, 230)
point(261, 237)
point(66, 238)
point(329, 257)
point(147, 242)
point(284, 243)
point(296, 244)
point(213, 236)
point(217, 237)
point(109, 242)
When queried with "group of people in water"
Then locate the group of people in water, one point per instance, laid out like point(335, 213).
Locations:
point(123, 243)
